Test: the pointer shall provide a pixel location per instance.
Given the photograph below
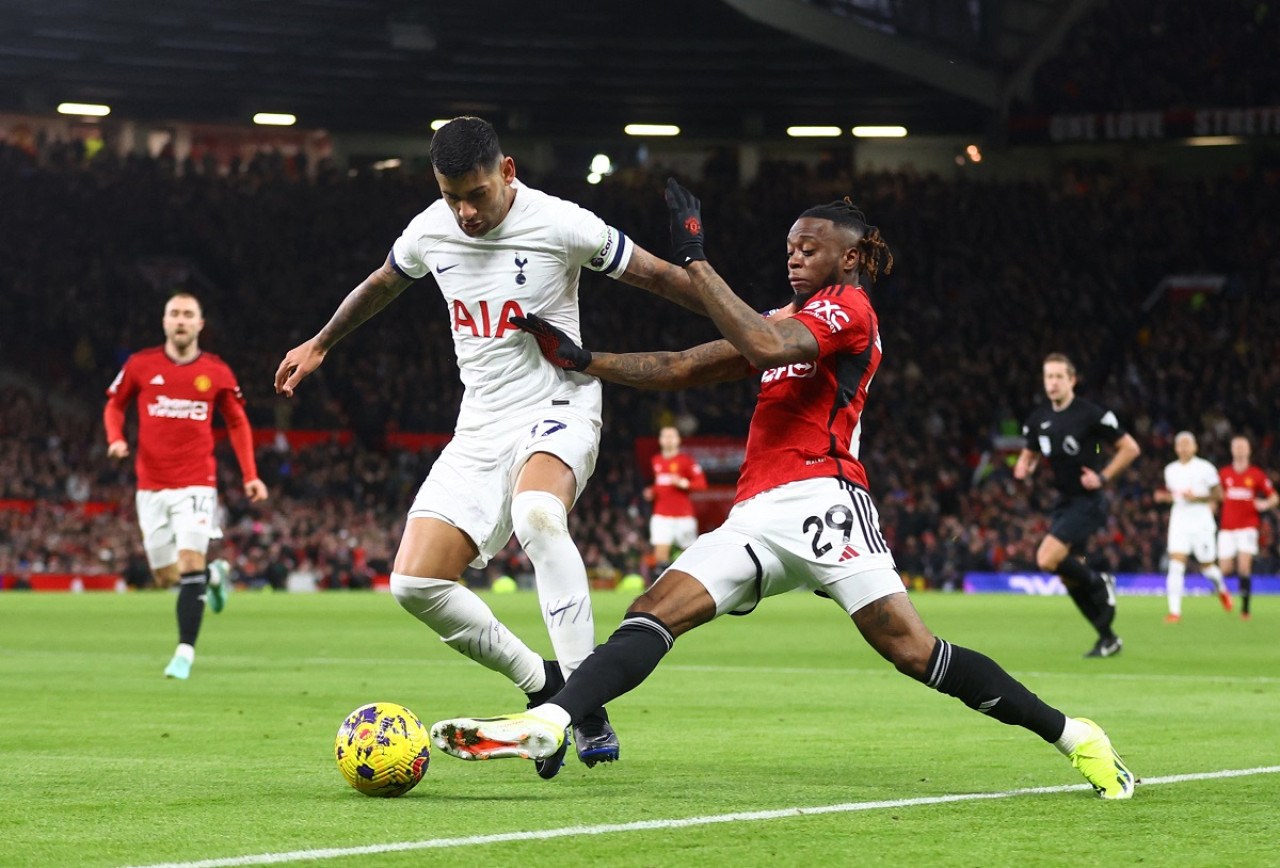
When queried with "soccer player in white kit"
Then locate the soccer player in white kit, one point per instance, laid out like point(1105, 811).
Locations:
point(527, 433)
point(1191, 484)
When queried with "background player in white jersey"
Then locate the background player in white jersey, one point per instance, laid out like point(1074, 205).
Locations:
point(802, 515)
point(527, 434)
point(1191, 485)
point(1246, 493)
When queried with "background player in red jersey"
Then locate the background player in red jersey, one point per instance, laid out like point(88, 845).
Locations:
point(1246, 492)
point(674, 520)
point(177, 387)
point(802, 515)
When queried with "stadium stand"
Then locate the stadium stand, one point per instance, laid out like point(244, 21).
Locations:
point(990, 277)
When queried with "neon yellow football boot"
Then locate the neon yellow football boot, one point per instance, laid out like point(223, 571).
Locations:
point(1098, 761)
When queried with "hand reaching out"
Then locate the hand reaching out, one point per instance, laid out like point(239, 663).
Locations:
point(556, 346)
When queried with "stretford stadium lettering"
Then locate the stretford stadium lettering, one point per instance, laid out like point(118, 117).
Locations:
point(179, 408)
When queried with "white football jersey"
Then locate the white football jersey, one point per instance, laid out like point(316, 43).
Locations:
point(1198, 477)
point(529, 263)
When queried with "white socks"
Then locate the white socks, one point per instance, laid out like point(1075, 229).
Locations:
point(1214, 574)
point(468, 626)
point(542, 526)
point(1174, 581)
point(1072, 734)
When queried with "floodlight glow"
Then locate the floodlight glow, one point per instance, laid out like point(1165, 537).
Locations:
point(651, 130)
point(594, 178)
point(438, 123)
point(1211, 141)
point(392, 163)
point(879, 132)
point(974, 153)
point(601, 164)
point(85, 109)
point(274, 119)
point(813, 132)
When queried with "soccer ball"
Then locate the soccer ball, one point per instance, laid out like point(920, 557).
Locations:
point(382, 749)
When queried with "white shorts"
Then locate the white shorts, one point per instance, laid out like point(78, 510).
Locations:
point(174, 519)
point(470, 484)
point(680, 530)
point(1243, 541)
point(1194, 538)
point(816, 533)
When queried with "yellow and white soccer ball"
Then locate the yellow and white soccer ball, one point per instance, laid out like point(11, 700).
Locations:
point(383, 749)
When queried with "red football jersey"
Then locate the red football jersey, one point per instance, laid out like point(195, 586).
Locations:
point(1239, 490)
point(669, 500)
point(175, 415)
point(807, 420)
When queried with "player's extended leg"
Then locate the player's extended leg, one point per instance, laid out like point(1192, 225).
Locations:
point(893, 628)
point(1209, 569)
point(673, 606)
point(544, 491)
point(431, 559)
point(1093, 593)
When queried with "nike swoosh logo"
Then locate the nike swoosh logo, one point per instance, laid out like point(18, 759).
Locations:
point(442, 269)
point(1045, 424)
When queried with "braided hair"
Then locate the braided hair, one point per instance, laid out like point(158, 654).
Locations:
point(874, 256)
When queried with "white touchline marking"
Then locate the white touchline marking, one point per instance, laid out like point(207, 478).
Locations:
point(646, 825)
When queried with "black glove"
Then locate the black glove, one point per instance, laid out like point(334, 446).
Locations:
point(556, 346)
point(686, 224)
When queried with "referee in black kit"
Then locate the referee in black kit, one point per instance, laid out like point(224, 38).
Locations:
point(1070, 431)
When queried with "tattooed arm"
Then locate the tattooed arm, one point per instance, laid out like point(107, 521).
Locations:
point(765, 343)
point(716, 362)
point(663, 279)
point(373, 294)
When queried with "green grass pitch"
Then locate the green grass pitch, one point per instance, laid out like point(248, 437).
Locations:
point(106, 763)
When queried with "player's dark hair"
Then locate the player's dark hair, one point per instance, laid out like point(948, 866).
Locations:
point(874, 256)
point(464, 145)
point(1061, 357)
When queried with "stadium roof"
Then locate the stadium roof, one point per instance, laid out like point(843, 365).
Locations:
point(568, 68)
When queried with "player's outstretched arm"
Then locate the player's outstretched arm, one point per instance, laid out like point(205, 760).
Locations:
point(662, 279)
point(766, 343)
point(716, 362)
point(373, 294)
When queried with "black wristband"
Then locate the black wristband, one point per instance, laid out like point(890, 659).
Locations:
point(1103, 477)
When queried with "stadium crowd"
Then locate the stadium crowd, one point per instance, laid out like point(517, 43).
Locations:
point(989, 278)
point(1164, 54)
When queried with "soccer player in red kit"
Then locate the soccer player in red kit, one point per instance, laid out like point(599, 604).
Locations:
point(177, 387)
point(802, 516)
point(1246, 492)
point(674, 521)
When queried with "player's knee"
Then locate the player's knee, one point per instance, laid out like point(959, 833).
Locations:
point(416, 594)
point(909, 655)
point(166, 577)
point(537, 515)
point(1048, 561)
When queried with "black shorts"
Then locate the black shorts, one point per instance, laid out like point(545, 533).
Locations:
point(1075, 519)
